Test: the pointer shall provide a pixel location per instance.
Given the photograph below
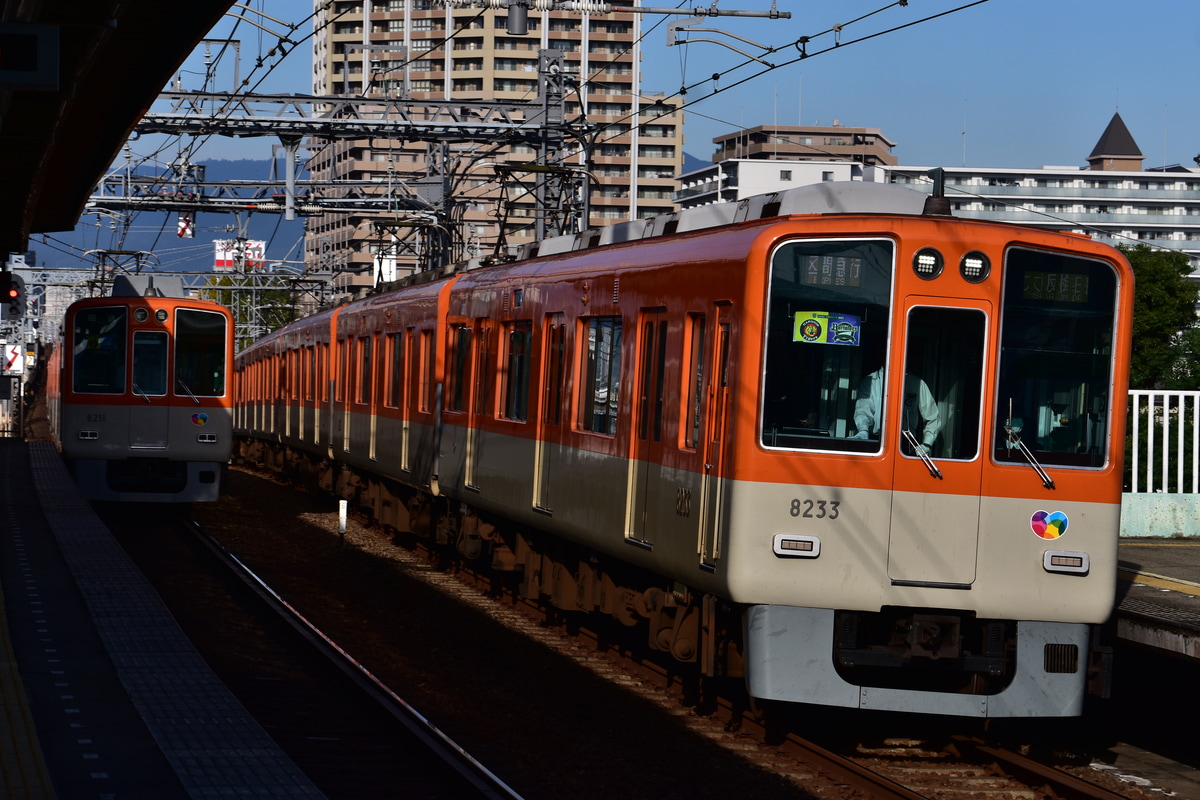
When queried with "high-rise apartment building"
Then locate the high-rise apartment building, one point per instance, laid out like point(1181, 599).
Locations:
point(414, 48)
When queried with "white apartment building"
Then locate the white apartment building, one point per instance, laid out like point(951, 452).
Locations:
point(1112, 199)
point(1160, 208)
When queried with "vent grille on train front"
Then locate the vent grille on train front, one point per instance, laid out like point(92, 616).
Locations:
point(1061, 658)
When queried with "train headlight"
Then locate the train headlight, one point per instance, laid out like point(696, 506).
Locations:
point(206, 438)
point(975, 267)
point(792, 545)
point(928, 263)
point(1070, 562)
point(89, 436)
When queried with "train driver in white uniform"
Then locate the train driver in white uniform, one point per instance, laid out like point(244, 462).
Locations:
point(917, 400)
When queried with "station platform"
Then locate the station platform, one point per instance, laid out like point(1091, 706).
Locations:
point(104, 696)
point(1158, 594)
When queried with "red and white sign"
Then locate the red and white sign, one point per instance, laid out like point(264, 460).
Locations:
point(232, 252)
point(14, 363)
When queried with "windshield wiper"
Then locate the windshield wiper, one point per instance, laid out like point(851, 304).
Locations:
point(922, 453)
point(138, 391)
point(195, 399)
point(1013, 439)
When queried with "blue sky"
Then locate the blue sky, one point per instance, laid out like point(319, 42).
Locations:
point(1032, 82)
point(1006, 83)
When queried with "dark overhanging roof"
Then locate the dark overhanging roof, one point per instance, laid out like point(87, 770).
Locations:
point(1116, 142)
point(115, 56)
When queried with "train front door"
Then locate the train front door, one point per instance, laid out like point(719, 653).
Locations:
point(150, 429)
point(935, 409)
point(647, 504)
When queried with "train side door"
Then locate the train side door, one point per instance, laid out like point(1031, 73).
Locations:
point(150, 350)
point(549, 438)
point(716, 400)
point(936, 435)
point(647, 503)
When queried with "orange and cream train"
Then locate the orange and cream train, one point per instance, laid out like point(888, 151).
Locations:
point(860, 454)
point(140, 395)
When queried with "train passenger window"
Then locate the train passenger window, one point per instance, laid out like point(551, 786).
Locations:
point(827, 326)
point(483, 363)
point(395, 386)
point(599, 387)
point(459, 356)
point(654, 359)
point(150, 362)
point(515, 377)
point(556, 333)
point(1056, 359)
point(200, 347)
point(428, 388)
point(98, 351)
point(363, 383)
point(694, 416)
point(341, 370)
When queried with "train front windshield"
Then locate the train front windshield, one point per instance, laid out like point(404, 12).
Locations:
point(200, 353)
point(828, 318)
point(1056, 359)
point(98, 350)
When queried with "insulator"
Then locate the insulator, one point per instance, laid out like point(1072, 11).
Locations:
point(590, 6)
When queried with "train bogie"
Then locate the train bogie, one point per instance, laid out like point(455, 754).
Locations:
point(869, 459)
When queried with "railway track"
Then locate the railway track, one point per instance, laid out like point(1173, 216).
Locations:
point(352, 735)
point(815, 764)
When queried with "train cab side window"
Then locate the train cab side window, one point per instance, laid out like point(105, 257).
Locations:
point(515, 375)
point(98, 351)
point(827, 328)
point(200, 347)
point(599, 386)
point(1056, 358)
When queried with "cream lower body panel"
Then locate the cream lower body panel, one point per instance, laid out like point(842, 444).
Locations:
point(856, 568)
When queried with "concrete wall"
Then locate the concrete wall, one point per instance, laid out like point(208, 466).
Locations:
point(1164, 515)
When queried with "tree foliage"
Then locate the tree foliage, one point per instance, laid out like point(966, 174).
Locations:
point(1166, 336)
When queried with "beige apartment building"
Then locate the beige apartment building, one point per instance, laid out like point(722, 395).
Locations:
point(389, 48)
point(865, 146)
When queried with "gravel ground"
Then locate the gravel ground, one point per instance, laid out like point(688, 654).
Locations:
point(519, 701)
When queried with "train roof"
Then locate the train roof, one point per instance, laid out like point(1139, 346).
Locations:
point(835, 197)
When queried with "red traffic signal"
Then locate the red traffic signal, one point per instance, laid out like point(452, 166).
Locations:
point(12, 296)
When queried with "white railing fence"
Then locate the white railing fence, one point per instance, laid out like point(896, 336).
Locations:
point(1164, 437)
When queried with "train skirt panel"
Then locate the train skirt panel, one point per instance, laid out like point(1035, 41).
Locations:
point(788, 658)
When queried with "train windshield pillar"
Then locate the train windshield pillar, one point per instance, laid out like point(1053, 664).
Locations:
point(1056, 359)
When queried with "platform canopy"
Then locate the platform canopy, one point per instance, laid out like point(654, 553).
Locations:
point(75, 77)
